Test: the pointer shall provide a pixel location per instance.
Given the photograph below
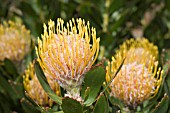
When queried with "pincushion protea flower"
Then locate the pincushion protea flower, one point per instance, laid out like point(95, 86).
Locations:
point(135, 83)
point(139, 78)
point(35, 90)
point(14, 41)
point(65, 53)
point(139, 50)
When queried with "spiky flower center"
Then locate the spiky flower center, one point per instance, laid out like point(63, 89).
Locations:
point(133, 84)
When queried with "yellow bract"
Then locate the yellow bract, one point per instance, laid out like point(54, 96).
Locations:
point(14, 41)
point(139, 78)
point(35, 90)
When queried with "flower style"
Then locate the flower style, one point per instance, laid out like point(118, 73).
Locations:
point(35, 90)
point(14, 41)
point(67, 54)
point(139, 78)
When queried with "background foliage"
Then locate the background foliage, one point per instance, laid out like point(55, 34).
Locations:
point(114, 20)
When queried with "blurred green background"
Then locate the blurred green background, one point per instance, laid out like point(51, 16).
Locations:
point(114, 20)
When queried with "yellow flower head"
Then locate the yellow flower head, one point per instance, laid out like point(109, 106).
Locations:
point(34, 88)
point(139, 50)
point(65, 52)
point(139, 78)
point(14, 41)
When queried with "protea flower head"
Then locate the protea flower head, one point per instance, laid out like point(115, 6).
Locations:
point(14, 41)
point(139, 50)
point(138, 80)
point(34, 88)
point(65, 53)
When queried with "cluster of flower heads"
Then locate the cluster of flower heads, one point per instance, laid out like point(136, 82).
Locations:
point(139, 78)
point(35, 90)
point(14, 41)
point(66, 54)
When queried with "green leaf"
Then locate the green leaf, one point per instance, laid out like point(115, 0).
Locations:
point(27, 107)
point(8, 88)
point(167, 81)
point(166, 88)
point(101, 105)
point(165, 56)
point(86, 94)
point(148, 105)
point(4, 73)
point(5, 104)
point(92, 83)
point(71, 106)
point(10, 67)
point(115, 101)
point(18, 88)
point(50, 110)
point(59, 112)
point(162, 106)
point(43, 81)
